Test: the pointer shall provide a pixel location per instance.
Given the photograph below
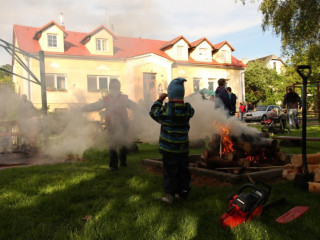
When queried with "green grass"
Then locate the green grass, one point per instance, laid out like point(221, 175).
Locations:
point(49, 202)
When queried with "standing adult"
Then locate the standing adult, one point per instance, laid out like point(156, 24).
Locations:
point(117, 122)
point(222, 95)
point(292, 101)
point(250, 107)
point(233, 100)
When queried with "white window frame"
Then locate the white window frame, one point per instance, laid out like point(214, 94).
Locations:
point(204, 53)
point(102, 45)
point(55, 77)
point(225, 55)
point(180, 50)
point(199, 82)
point(109, 77)
point(214, 83)
point(54, 40)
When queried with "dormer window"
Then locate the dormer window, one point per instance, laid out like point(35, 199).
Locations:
point(102, 45)
point(225, 55)
point(204, 53)
point(180, 51)
point(52, 40)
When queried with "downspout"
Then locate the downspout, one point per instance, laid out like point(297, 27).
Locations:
point(243, 92)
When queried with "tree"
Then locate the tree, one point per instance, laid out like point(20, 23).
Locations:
point(297, 22)
point(6, 78)
point(263, 85)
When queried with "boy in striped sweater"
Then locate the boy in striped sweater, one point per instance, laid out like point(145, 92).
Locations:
point(174, 118)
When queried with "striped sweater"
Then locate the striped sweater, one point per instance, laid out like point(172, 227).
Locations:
point(174, 119)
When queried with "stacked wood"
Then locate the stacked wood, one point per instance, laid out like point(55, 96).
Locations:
point(313, 169)
point(314, 187)
point(297, 160)
point(247, 149)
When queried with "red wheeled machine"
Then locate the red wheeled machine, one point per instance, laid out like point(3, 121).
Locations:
point(245, 205)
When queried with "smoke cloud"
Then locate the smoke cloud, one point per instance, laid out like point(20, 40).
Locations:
point(72, 132)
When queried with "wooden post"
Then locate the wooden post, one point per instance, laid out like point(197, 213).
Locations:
point(43, 95)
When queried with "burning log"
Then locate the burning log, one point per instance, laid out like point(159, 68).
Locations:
point(245, 146)
point(218, 162)
point(314, 187)
point(297, 161)
point(207, 153)
point(230, 156)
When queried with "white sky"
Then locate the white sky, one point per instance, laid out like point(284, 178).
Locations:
point(218, 20)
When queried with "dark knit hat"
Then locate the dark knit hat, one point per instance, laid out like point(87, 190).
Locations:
point(176, 88)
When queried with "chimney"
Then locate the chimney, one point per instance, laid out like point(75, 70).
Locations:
point(245, 61)
point(61, 19)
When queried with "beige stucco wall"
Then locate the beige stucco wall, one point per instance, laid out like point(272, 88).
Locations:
point(102, 34)
point(43, 41)
point(76, 72)
point(161, 78)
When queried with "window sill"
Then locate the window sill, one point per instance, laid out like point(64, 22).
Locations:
point(57, 90)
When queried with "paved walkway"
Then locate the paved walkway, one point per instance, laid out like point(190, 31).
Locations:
point(9, 160)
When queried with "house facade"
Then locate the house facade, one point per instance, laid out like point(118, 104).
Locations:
point(273, 62)
point(79, 66)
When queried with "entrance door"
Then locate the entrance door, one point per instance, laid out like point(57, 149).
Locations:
point(149, 86)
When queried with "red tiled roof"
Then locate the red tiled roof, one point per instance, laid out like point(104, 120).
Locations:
point(95, 31)
point(196, 43)
point(124, 47)
point(173, 41)
point(219, 45)
point(37, 35)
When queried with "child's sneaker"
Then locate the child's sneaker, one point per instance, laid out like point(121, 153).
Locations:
point(168, 199)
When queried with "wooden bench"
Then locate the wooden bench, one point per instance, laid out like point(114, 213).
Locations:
point(296, 138)
point(293, 141)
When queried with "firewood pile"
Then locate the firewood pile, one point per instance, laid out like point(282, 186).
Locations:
point(296, 166)
point(250, 151)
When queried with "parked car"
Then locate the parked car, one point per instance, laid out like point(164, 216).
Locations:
point(261, 113)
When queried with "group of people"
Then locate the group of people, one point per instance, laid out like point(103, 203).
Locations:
point(228, 99)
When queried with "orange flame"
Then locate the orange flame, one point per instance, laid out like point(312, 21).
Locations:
point(227, 144)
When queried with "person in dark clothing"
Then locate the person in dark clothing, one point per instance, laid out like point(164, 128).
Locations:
point(292, 101)
point(174, 118)
point(222, 95)
point(250, 107)
point(117, 122)
point(233, 100)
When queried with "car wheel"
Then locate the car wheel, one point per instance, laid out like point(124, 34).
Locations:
point(264, 118)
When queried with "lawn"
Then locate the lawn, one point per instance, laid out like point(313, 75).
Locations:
point(50, 202)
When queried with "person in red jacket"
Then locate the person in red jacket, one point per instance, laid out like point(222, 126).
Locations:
point(242, 110)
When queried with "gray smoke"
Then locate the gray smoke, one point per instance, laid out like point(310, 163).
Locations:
point(72, 132)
